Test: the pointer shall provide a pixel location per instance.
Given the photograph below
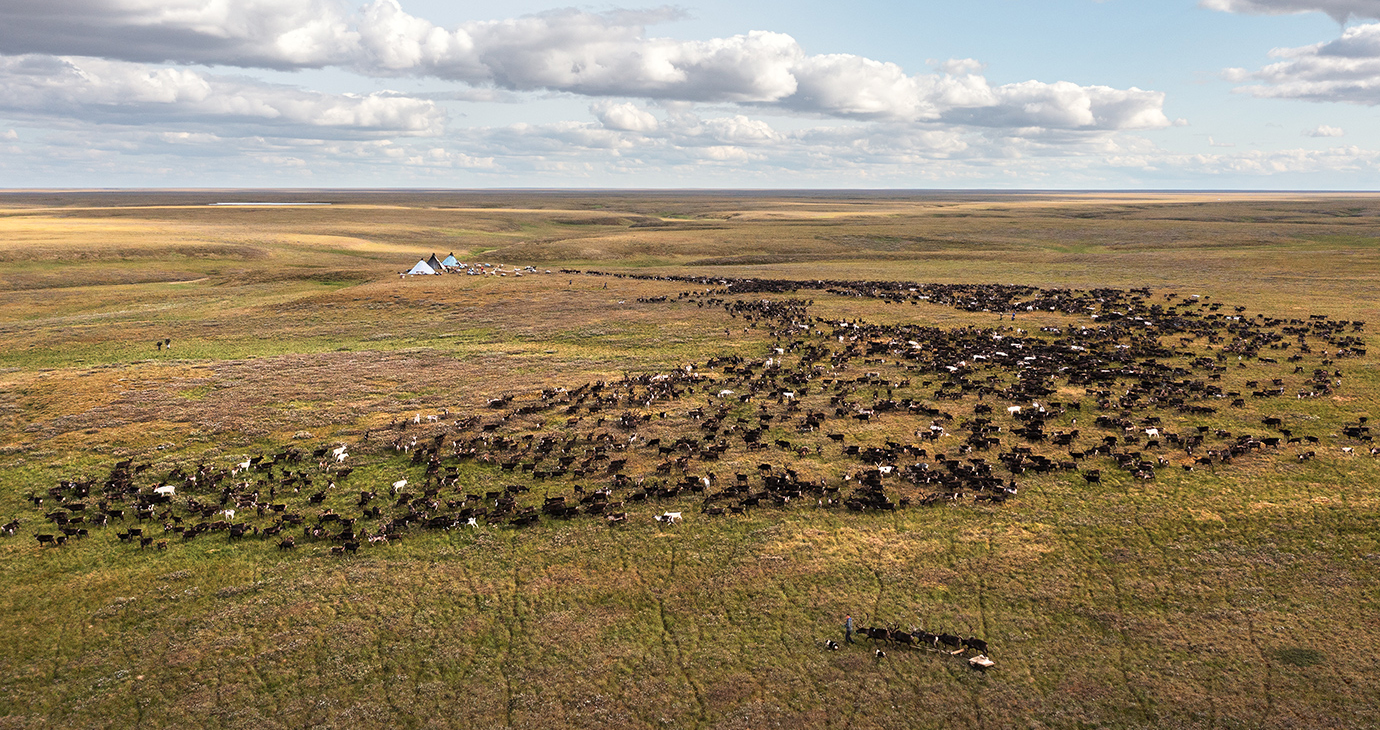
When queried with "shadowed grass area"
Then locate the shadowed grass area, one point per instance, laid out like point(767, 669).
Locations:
point(1240, 595)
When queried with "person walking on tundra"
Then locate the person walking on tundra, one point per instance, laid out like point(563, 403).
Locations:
point(848, 629)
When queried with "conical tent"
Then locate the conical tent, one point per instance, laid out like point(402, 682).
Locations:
point(434, 263)
point(450, 261)
point(422, 268)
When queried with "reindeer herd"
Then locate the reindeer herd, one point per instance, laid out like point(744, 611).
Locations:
point(920, 638)
point(948, 644)
point(829, 414)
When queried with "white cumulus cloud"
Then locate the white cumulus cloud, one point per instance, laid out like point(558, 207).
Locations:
point(1062, 105)
point(129, 78)
point(93, 89)
point(1324, 130)
point(606, 55)
point(626, 117)
point(1346, 69)
point(258, 33)
point(1340, 10)
point(570, 51)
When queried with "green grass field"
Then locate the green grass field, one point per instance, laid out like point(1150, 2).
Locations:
point(1241, 595)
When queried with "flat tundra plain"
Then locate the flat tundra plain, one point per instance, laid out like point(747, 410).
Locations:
point(636, 461)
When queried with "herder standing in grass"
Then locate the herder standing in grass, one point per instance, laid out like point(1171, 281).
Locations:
point(848, 629)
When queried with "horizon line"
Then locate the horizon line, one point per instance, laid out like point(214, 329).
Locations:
point(537, 189)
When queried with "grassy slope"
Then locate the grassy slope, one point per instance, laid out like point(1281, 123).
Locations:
point(1242, 598)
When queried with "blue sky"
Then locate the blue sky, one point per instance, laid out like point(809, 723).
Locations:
point(1072, 94)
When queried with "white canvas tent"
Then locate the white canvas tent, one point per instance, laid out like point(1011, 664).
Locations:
point(421, 268)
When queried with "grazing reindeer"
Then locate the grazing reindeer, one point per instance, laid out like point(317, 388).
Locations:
point(977, 645)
